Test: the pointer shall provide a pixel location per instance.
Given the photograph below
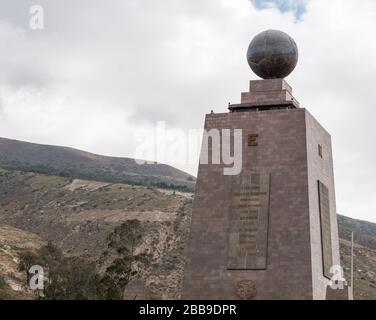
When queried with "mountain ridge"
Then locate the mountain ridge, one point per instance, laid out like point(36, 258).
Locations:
point(75, 163)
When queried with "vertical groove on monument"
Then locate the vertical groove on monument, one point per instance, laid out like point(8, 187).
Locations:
point(321, 172)
point(258, 234)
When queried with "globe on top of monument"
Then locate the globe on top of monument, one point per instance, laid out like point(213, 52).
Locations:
point(272, 54)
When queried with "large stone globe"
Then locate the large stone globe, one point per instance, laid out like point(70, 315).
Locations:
point(272, 54)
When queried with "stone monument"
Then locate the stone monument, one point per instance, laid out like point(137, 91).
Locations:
point(270, 231)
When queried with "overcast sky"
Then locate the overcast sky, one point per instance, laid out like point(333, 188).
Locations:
point(101, 70)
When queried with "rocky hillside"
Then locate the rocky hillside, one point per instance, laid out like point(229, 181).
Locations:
point(68, 162)
point(364, 269)
point(12, 242)
point(364, 254)
point(364, 232)
point(77, 216)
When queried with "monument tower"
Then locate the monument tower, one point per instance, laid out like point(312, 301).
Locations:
point(269, 232)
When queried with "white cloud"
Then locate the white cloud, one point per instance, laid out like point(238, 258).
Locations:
point(101, 69)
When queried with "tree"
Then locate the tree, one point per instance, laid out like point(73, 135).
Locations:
point(66, 278)
point(125, 238)
point(74, 278)
point(122, 244)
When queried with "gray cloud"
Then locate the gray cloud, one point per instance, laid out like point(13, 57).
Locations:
point(102, 69)
point(1, 107)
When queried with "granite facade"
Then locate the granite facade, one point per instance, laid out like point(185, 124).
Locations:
point(287, 149)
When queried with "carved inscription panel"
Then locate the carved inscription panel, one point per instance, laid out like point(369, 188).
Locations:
point(249, 218)
point(326, 231)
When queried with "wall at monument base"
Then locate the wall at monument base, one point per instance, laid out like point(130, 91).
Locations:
point(339, 294)
point(282, 152)
point(320, 169)
point(137, 290)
